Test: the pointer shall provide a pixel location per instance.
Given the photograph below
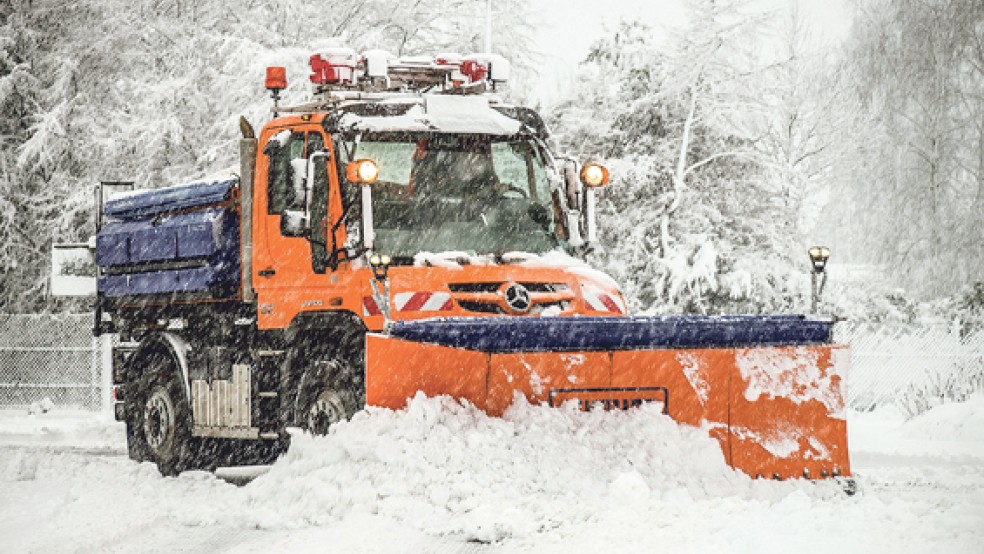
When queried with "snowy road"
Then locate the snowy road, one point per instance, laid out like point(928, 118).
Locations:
point(442, 478)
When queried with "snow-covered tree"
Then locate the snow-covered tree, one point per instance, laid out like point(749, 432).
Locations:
point(152, 92)
point(919, 70)
point(22, 193)
point(692, 222)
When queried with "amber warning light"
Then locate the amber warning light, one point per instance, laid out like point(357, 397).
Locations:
point(276, 81)
point(276, 78)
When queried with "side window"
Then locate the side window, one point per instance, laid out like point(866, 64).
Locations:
point(279, 188)
point(537, 165)
point(315, 143)
point(514, 166)
point(351, 207)
point(321, 240)
point(393, 158)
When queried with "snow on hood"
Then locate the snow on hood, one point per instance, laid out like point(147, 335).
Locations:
point(570, 264)
point(553, 259)
point(449, 259)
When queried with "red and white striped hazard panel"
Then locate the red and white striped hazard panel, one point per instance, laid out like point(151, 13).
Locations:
point(369, 306)
point(601, 301)
point(422, 301)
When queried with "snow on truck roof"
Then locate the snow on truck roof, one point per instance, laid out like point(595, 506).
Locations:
point(143, 203)
point(439, 114)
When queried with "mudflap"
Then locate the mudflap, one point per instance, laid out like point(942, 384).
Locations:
point(777, 411)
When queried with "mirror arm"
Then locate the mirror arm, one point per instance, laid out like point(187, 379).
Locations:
point(591, 222)
point(334, 259)
point(574, 229)
point(341, 218)
point(368, 227)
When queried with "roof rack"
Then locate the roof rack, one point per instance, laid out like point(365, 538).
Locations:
point(340, 75)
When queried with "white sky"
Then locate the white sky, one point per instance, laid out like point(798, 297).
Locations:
point(570, 26)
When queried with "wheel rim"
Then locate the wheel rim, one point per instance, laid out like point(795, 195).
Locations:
point(326, 410)
point(158, 421)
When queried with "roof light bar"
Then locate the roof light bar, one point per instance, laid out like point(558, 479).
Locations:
point(380, 71)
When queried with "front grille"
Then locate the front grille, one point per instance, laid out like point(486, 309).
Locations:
point(474, 287)
point(495, 286)
point(545, 287)
point(481, 307)
point(484, 297)
point(558, 306)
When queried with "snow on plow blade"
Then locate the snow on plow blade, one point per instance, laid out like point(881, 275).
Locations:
point(768, 388)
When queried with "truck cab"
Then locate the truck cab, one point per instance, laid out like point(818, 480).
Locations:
point(459, 195)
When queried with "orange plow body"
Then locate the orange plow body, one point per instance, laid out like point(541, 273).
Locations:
point(776, 410)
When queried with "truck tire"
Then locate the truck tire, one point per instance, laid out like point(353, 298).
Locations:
point(161, 419)
point(326, 400)
point(135, 447)
point(331, 388)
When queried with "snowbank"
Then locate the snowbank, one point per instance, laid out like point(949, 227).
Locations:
point(952, 431)
point(80, 429)
point(447, 468)
point(960, 421)
point(439, 474)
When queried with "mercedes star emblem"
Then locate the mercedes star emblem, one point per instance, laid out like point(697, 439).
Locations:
point(518, 298)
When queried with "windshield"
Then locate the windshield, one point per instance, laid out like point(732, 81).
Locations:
point(469, 193)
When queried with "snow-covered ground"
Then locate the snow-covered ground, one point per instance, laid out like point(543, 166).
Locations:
point(439, 477)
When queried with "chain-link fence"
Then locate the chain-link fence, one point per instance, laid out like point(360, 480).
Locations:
point(914, 367)
point(51, 361)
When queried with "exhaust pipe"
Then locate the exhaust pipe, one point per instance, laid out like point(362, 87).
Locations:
point(247, 161)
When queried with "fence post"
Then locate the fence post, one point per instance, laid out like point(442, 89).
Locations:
point(105, 346)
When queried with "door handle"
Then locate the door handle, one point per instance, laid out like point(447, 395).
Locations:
point(269, 272)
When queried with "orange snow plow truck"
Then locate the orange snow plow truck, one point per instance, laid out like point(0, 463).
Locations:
point(409, 231)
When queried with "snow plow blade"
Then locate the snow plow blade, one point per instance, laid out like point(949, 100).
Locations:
point(768, 388)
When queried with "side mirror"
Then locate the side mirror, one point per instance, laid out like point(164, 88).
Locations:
point(580, 186)
point(572, 184)
point(296, 219)
point(298, 184)
point(573, 189)
point(295, 223)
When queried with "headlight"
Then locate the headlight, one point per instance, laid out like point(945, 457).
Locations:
point(362, 171)
point(594, 175)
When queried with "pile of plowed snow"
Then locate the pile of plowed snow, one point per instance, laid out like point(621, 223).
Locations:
point(953, 430)
point(539, 479)
point(962, 421)
point(61, 428)
point(440, 468)
point(447, 468)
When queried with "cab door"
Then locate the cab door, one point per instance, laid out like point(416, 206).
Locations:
point(284, 275)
